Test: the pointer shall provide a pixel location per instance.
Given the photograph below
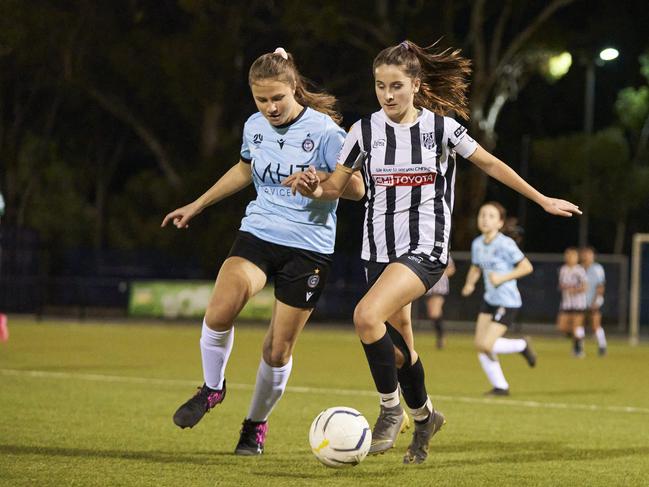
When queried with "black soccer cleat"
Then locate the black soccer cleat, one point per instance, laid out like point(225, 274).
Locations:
point(190, 413)
point(418, 449)
point(529, 353)
point(602, 351)
point(496, 391)
point(252, 438)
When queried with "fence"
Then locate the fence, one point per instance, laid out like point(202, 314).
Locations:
point(83, 296)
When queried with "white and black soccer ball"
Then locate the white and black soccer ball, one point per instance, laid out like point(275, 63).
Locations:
point(340, 437)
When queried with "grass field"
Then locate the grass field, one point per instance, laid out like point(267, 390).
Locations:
point(91, 404)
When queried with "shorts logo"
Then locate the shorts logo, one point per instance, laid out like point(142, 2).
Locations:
point(415, 258)
point(257, 139)
point(313, 280)
point(378, 143)
point(421, 179)
point(428, 140)
point(307, 144)
point(308, 295)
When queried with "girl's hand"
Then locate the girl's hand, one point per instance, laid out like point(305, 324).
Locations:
point(181, 216)
point(559, 207)
point(468, 289)
point(496, 279)
point(306, 183)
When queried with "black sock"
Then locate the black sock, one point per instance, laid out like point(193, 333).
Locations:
point(380, 357)
point(439, 326)
point(413, 386)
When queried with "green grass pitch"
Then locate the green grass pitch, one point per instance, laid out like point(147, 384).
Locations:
point(91, 404)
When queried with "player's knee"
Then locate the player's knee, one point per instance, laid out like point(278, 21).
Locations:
point(481, 345)
point(218, 319)
point(365, 319)
point(277, 355)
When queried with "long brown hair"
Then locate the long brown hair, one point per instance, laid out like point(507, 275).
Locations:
point(275, 66)
point(443, 74)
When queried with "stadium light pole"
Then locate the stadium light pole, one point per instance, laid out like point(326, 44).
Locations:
point(608, 54)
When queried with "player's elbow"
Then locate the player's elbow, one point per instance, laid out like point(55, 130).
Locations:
point(525, 267)
point(358, 193)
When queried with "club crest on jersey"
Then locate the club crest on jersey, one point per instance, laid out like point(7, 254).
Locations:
point(307, 144)
point(257, 139)
point(428, 140)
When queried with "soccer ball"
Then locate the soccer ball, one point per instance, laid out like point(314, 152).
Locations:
point(340, 437)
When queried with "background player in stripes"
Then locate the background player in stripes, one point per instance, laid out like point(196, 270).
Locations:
point(572, 284)
point(594, 295)
point(409, 173)
point(435, 303)
point(498, 258)
point(282, 236)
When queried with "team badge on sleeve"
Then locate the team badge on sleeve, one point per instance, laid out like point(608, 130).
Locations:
point(459, 131)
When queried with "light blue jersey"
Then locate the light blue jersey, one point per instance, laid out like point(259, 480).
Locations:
point(500, 256)
point(276, 215)
point(596, 277)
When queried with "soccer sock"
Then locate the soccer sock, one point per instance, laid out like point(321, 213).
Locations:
point(438, 323)
point(380, 357)
point(579, 334)
point(270, 385)
point(601, 337)
point(215, 351)
point(508, 345)
point(494, 372)
point(421, 414)
point(413, 386)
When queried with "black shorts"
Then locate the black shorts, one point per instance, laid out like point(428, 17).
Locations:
point(299, 274)
point(429, 271)
point(500, 314)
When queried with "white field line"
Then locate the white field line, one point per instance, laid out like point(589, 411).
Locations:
point(323, 391)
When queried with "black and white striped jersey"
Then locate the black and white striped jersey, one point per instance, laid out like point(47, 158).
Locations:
point(572, 277)
point(410, 176)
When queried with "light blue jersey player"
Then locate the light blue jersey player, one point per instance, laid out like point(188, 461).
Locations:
point(499, 259)
point(594, 296)
point(274, 153)
point(283, 237)
point(500, 256)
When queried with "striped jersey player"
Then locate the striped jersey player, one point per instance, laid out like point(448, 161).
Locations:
point(406, 151)
point(409, 174)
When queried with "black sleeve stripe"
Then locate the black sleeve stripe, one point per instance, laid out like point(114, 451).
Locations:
point(245, 159)
point(352, 156)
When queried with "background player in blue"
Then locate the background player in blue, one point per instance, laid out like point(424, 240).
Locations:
point(501, 262)
point(409, 175)
point(594, 295)
point(289, 238)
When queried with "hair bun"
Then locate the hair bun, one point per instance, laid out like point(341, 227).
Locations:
point(282, 52)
